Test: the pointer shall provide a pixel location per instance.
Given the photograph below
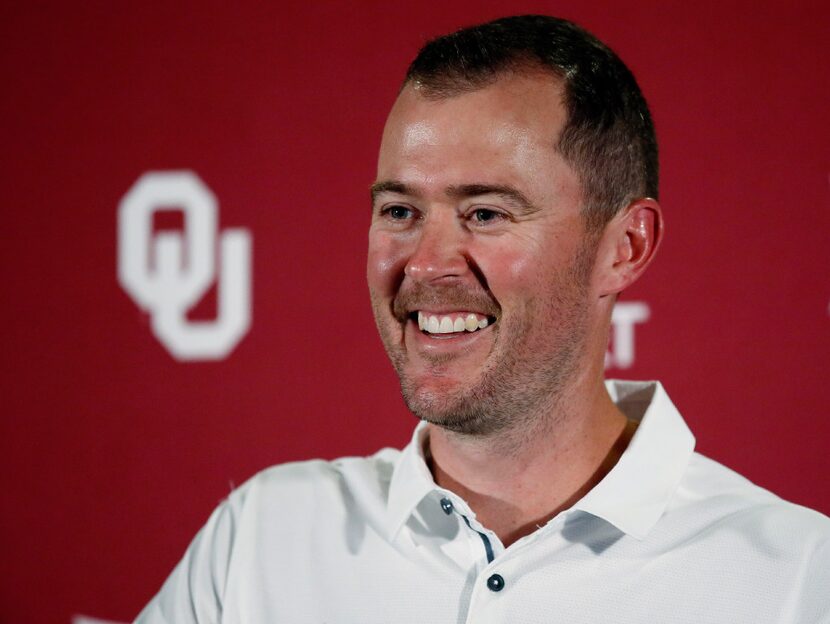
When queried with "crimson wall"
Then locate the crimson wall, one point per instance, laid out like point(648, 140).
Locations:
point(119, 436)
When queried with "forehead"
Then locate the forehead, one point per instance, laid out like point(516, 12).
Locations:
point(514, 94)
point(504, 133)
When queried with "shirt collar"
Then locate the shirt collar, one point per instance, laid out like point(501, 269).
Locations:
point(411, 481)
point(635, 493)
point(632, 496)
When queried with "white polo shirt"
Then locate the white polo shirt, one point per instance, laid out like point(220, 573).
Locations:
point(667, 536)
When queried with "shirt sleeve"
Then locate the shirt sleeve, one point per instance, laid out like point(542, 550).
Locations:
point(194, 591)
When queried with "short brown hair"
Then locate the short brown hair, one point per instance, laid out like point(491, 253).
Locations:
point(608, 137)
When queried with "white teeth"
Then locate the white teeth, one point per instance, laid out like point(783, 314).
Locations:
point(471, 323)
point(432, 325)
point(446, 325)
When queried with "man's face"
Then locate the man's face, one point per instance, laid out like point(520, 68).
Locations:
point(476, 226)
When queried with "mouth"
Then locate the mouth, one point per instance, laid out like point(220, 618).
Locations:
point(448, 324)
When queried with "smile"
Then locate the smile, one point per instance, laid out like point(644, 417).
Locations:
point(454, 322)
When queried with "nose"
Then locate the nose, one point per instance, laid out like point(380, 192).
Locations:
point(439, 251)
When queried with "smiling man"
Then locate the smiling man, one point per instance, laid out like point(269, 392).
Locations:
point(493, 290)
point(515, 199)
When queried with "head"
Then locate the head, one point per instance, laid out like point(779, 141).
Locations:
point(608, 137)
point(519, 154)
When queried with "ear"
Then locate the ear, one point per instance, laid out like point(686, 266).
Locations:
point(628, 245)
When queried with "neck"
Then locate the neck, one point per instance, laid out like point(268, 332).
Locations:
point(516, 481)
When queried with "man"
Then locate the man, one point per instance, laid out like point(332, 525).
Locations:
point(515, 198)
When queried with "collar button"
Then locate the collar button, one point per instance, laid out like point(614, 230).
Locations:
point(446, 505)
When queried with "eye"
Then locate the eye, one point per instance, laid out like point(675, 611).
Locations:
point(397, 212)
point(483, 216)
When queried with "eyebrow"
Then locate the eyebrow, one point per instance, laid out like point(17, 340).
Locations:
point(461, 191)
point(391, 186)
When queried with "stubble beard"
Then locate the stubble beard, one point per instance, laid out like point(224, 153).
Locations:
point(522, 384)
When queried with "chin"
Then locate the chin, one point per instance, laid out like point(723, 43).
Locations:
point(450, 404)
point(438, 385)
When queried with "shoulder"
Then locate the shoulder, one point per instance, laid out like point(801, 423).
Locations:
point(310, 475)
point(318, 485)
point(274, 516)
point(723, 500)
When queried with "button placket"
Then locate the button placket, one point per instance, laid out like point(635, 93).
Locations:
point(495, 582)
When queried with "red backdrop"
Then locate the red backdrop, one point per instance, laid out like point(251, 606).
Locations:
point(114, 453)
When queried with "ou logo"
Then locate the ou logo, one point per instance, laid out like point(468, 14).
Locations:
point(167, 274)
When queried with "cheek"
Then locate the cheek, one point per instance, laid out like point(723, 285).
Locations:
point(531, 261)
point(508, 267)
point(521, 268)
point(385, 263)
